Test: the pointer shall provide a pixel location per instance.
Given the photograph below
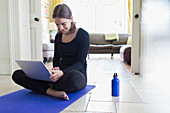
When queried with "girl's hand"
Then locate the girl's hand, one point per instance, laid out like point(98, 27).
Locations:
point(56, 74)
point(55, 68)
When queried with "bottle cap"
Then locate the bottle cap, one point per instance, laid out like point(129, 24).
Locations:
point(115, 75)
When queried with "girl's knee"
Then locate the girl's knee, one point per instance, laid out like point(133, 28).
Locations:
point(16, 74)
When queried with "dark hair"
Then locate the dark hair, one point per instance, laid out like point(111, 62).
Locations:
point(63, 11)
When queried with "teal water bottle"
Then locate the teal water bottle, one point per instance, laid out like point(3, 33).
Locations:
point(115, 85)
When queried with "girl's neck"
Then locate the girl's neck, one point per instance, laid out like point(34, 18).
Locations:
point(68, 33)
point(69, 37)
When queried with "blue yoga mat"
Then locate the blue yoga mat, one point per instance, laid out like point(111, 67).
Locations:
point(27, 101)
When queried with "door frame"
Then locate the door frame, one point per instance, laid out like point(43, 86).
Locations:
point(136, 34)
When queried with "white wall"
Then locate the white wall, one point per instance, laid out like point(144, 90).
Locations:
point(155, 39)
point(4, 34)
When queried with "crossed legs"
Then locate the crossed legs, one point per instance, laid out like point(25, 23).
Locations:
point(72, 81)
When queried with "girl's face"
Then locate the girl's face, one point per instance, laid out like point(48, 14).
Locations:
point(63, 24)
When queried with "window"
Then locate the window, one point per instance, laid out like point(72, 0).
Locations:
point(100, 16)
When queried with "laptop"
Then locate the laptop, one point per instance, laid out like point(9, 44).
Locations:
point(34, 69)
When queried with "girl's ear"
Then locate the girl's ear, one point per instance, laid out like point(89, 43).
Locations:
point(71, 18)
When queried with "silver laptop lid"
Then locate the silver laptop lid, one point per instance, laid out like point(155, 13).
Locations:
point(34, 69)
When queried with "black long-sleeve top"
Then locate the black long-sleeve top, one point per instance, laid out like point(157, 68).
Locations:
point(72, 55)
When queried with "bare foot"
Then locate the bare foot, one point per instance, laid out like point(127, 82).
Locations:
point(59, 94)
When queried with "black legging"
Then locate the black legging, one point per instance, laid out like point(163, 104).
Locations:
point(70, 82)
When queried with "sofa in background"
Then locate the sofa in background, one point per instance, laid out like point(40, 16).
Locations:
point(98, 44)
point(48, 48)
point(125, 53)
